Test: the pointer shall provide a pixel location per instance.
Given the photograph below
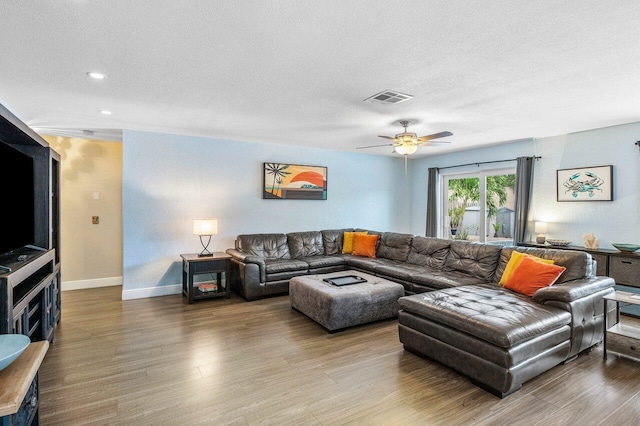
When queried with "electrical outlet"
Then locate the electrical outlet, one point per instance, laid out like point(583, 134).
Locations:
point(95, 220)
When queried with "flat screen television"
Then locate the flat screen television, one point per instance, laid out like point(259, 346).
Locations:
point(18, 199)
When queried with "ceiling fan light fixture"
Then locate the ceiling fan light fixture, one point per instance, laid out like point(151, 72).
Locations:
point(407, 138)
point(406, 149)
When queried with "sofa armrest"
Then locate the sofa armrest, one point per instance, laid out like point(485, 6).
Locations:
point(582, 298)
point(573, 290)
point(250, 258)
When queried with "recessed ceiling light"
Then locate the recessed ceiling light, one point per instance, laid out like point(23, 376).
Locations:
point(105, 112)
point(96, 75)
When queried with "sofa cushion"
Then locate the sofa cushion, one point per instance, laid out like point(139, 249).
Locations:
point(579, 264)
point(398, 270)
point(364, 245)
point(269, 246)
point(281, 278)
point(347, 240)
point(531, 275)
point(490, 313)
point(428, 251)
point(437, 279)
point(363, 263)
point(332, 240)
point(394, 246)
point(302, 244)
point(516, 258)
point(476, 259)
point(274, 266)
point(316, 262)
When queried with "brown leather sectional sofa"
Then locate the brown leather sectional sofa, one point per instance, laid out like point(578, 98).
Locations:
point(454, 311)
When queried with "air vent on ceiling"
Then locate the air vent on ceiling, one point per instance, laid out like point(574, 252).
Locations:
point(389, 97)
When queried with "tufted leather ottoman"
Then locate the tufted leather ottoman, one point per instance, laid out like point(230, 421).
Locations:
point(498, 338)
point(336, 308)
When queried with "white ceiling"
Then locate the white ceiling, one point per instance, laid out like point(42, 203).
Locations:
point(297, 72)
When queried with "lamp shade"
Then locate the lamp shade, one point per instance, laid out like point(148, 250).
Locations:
point(205, 226)
point(406, 149)
point(540, 227)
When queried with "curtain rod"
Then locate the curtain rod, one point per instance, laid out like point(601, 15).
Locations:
point(484, 162)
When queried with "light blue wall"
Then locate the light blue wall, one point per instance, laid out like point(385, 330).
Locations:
point(170, 179)
point(616, 221)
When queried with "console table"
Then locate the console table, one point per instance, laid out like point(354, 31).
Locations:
point(623, 267)
point(217, 265)
point(19, 391)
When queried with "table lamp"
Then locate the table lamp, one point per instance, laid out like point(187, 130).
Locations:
point(540, 228)
point(205, 228)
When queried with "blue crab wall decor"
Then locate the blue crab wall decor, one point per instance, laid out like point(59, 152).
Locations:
point(575, 186)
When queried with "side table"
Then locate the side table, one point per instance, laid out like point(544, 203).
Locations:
point(19, 392)
point(217, 265)
point(621, 338)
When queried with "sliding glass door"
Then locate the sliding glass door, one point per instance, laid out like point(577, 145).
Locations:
point(479, 206)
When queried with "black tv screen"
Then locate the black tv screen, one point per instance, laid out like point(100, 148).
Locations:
point(17, 195)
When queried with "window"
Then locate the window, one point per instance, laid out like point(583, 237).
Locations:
point(479, 206)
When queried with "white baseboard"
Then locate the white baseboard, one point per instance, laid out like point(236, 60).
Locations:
point(141, 293)
point(94, 283)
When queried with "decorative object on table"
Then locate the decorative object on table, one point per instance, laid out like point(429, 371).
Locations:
point(585, 184)
point(540, 228)
point(590, 241)
point(205, 228)
point(11, 346)
point(208, 287)
point(283, 181)
point(627, 248)
point(559, 243)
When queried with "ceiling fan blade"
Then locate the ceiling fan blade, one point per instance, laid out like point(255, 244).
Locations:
point(374, 146)
point(434, 136)
point(425, 143)
point(387, 137)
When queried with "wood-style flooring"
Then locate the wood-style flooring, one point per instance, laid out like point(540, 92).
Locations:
point(160, 361)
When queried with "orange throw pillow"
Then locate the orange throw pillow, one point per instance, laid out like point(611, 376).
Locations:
point(364, 245)
point(347, 241)
point(531, 275)
point(514, 261)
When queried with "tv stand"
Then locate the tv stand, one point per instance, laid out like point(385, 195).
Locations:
point(14, 259)
point(30, 274)
point(30, 293)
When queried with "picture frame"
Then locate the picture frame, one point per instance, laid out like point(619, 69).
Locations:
point(585, 184)
point(285, 181)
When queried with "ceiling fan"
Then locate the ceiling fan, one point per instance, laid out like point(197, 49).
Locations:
point(406, 143)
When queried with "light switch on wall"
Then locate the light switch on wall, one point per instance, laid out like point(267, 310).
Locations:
point(95, 220)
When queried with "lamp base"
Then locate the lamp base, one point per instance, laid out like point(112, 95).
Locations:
point(205, 252)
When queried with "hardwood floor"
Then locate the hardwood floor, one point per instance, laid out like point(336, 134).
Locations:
point(160, 361)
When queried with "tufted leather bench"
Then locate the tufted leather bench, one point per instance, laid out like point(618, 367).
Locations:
point(498, 338)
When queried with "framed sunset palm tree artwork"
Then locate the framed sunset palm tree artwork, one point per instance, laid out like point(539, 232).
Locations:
point(282, 181)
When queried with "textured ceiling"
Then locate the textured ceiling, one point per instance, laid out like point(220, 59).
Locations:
point(297, 72)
